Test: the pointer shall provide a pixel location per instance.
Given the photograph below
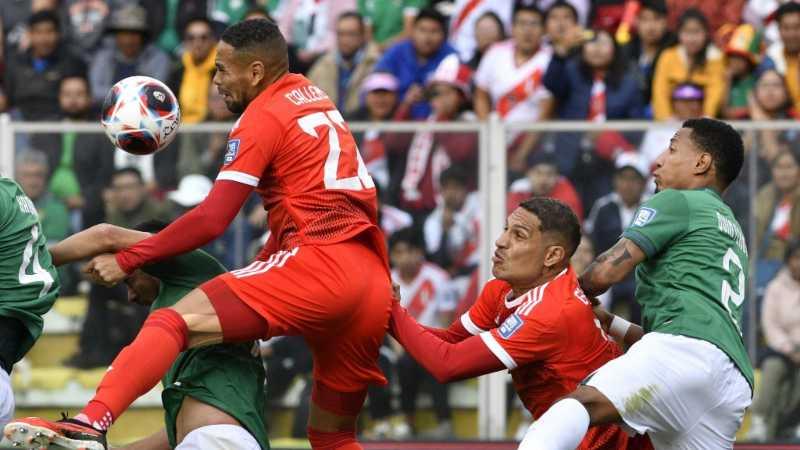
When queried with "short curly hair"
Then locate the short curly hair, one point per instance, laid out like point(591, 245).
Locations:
point(723, 143)
point(558, 218)
point(257, 36)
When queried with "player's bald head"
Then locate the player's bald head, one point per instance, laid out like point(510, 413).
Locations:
point(258, 39)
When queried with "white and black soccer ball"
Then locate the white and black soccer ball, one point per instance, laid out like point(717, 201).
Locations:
point(141, 115)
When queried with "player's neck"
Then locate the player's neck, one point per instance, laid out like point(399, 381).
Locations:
point(546, 276)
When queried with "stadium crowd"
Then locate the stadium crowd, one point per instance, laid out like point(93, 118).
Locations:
point(433, 61)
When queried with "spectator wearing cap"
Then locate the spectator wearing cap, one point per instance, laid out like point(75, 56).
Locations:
point(694, 59)
point(429, 153)
point(543, 180)
point(192, 190)
point(651, 38)
point(32, 77)
point(341, 71)
point(191, 75)
point(379, 94)
point(129, 54)
point(784, 55)
point(413, 60)
point(464, 32)
point(743, 55)
point(612, 214)
point(687, 101)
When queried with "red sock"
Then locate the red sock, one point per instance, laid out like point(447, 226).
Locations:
point(338, 440)
point(138, 367)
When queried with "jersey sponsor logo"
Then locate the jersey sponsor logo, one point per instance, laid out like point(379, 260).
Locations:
point(233, 150)
point(510, 326)
point(644, 216)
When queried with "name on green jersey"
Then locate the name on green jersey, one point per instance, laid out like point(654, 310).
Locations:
point(26, 205)
point(733, 231)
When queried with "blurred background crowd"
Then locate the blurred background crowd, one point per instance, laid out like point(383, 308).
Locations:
point(434, 61)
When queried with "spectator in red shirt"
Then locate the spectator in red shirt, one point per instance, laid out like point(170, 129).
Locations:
point(543, 180)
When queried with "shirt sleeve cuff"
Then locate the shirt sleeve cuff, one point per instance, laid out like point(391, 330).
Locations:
point(642, 241)
point(239, 177)
point(469, 325)
point(498, 350)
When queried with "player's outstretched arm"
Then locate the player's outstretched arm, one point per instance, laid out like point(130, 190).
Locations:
point(196, 228)
point(93, 241)
point(611, 267)
point(157, 441)
point(444, 360)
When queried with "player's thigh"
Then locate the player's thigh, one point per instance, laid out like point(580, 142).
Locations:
point(219, 437)
point(6, 399)
point(662, 386)
point(201, 318)
point(718, 426)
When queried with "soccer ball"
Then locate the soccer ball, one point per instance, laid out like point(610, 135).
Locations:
point(141, 115)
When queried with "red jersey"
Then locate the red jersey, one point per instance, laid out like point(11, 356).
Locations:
point(548, 338)
point(294, 147)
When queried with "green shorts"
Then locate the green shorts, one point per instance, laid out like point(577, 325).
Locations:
point(228, 377)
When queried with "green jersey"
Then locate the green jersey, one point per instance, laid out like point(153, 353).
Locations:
point(694, 278)
point(386, 17)
point(229, 377)
point(28, 280)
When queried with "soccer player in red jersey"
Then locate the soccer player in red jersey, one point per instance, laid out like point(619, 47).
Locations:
point(323, 274)
point(533, 320)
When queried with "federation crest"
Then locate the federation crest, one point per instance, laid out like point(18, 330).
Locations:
point(644, 216)
point(510, 326)
point(233, 150)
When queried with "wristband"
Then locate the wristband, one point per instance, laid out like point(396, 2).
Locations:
point(619, 327)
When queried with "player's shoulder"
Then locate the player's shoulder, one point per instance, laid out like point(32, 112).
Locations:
point(495, 288)
point(549, 302)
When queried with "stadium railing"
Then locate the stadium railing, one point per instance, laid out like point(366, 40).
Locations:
point(493, 187)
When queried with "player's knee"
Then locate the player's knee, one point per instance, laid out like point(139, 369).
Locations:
point(600, 408)
point(337, 440)
point(171, 322)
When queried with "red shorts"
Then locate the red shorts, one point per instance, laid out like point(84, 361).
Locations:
point(336, 296)
point(613, 437)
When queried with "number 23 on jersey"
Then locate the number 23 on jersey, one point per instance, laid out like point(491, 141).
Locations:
point(335, 122)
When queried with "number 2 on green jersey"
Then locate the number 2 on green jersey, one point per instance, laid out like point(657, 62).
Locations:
point(729, 294)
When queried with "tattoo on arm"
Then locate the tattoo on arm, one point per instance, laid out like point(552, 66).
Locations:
point(608, 268)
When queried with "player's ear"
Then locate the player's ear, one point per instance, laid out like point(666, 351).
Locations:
point(554, 255)
point(257, 72)
point(703, 163)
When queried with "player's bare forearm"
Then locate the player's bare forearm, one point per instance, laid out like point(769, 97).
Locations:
point(157, 441)
point(635, 332)
point(611, 267)
point(102, 238)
